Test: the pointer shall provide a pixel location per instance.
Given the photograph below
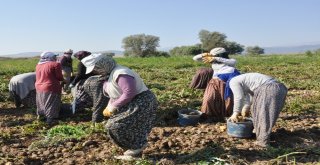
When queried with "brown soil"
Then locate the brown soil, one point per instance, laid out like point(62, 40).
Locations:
point(169, 143)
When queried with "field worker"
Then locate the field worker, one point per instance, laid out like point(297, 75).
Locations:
point(201, 79)
point(217, 102)
point(132, 106)
point(87, 90)
point(22, 89)
point(81, 69)
point(92, 97)
point(66, 64)
point(48, 88)
point(265, 95)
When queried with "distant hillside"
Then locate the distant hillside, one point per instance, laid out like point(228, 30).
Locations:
point(278, 49)
point(290, 49)
point(33, 54)
point(267, 50)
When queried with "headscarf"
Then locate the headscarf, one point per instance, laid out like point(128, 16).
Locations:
point(68, 55)
point(105, 66)
point(47, 57)
point(81, 54)
point(226, 78)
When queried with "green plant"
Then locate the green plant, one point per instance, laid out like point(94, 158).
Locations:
point(67, 131)
point(143, 162)
point(34, 127)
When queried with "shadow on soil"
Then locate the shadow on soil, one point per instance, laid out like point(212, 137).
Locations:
point(207, 153)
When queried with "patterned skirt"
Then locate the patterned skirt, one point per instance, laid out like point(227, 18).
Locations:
point(201, 78)
point(130, 125)
point(82, 99)
point(48, 104)
point(89, 94)
point(214, 106)
point(30, 100)
point(268, 101)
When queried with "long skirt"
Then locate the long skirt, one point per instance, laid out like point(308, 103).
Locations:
point(130, 125)
point(82, 99)
point(268, 101)
point(66, 73)
point(48, 104)
point(214, 106)
point(89, 94)
point(201, 78)
point(29, 101)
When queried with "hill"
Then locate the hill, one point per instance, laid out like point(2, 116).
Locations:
point(33, 54)
point(267, 50)
point(290, 49)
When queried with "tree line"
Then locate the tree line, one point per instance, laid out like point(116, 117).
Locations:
point(142, 45)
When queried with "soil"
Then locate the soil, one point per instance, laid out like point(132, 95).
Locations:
point(168, 143)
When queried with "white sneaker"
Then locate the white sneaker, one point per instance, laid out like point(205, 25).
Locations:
point(73, 106)
point(125, 157)
point(135, 152)
point(254, 130)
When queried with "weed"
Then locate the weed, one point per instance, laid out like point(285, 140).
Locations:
point(67, 131)
point(34, 127)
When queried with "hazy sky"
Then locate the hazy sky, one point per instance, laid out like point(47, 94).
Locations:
point(97, 25)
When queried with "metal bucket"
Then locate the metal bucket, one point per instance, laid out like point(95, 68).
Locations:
point(240, 129)
point(188, 117)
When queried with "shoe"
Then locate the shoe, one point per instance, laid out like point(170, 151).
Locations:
point(135, 152)
point(254, 130)
point(259, 144)
point(93, 125)
point(41, 118)
point(125, 157)
point(51, 122)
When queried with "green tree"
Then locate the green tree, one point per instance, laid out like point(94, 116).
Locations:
point(234, 48)
point(186, 50)
point(111, 54)
point(211, 40)
point(254, 50)
point(140, 45)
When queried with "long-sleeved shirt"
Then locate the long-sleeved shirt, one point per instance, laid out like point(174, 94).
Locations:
point(48, 77)
point(22, 84)
point(243, 87)
point(128, 86)
point(122, 86)
point(223, 66)
point(81, 74)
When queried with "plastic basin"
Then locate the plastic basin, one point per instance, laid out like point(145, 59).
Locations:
point(188, 117)
point(240, 129)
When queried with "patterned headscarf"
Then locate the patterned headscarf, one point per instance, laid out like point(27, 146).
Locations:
point(105, 66)
point(47, 57)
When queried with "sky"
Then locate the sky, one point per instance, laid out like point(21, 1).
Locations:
point(100, 25)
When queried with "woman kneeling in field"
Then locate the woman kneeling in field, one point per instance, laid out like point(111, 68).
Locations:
point(87, 90)
point(22, 89)
point(132, 106)
point(48, 88)
point(217, 102)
